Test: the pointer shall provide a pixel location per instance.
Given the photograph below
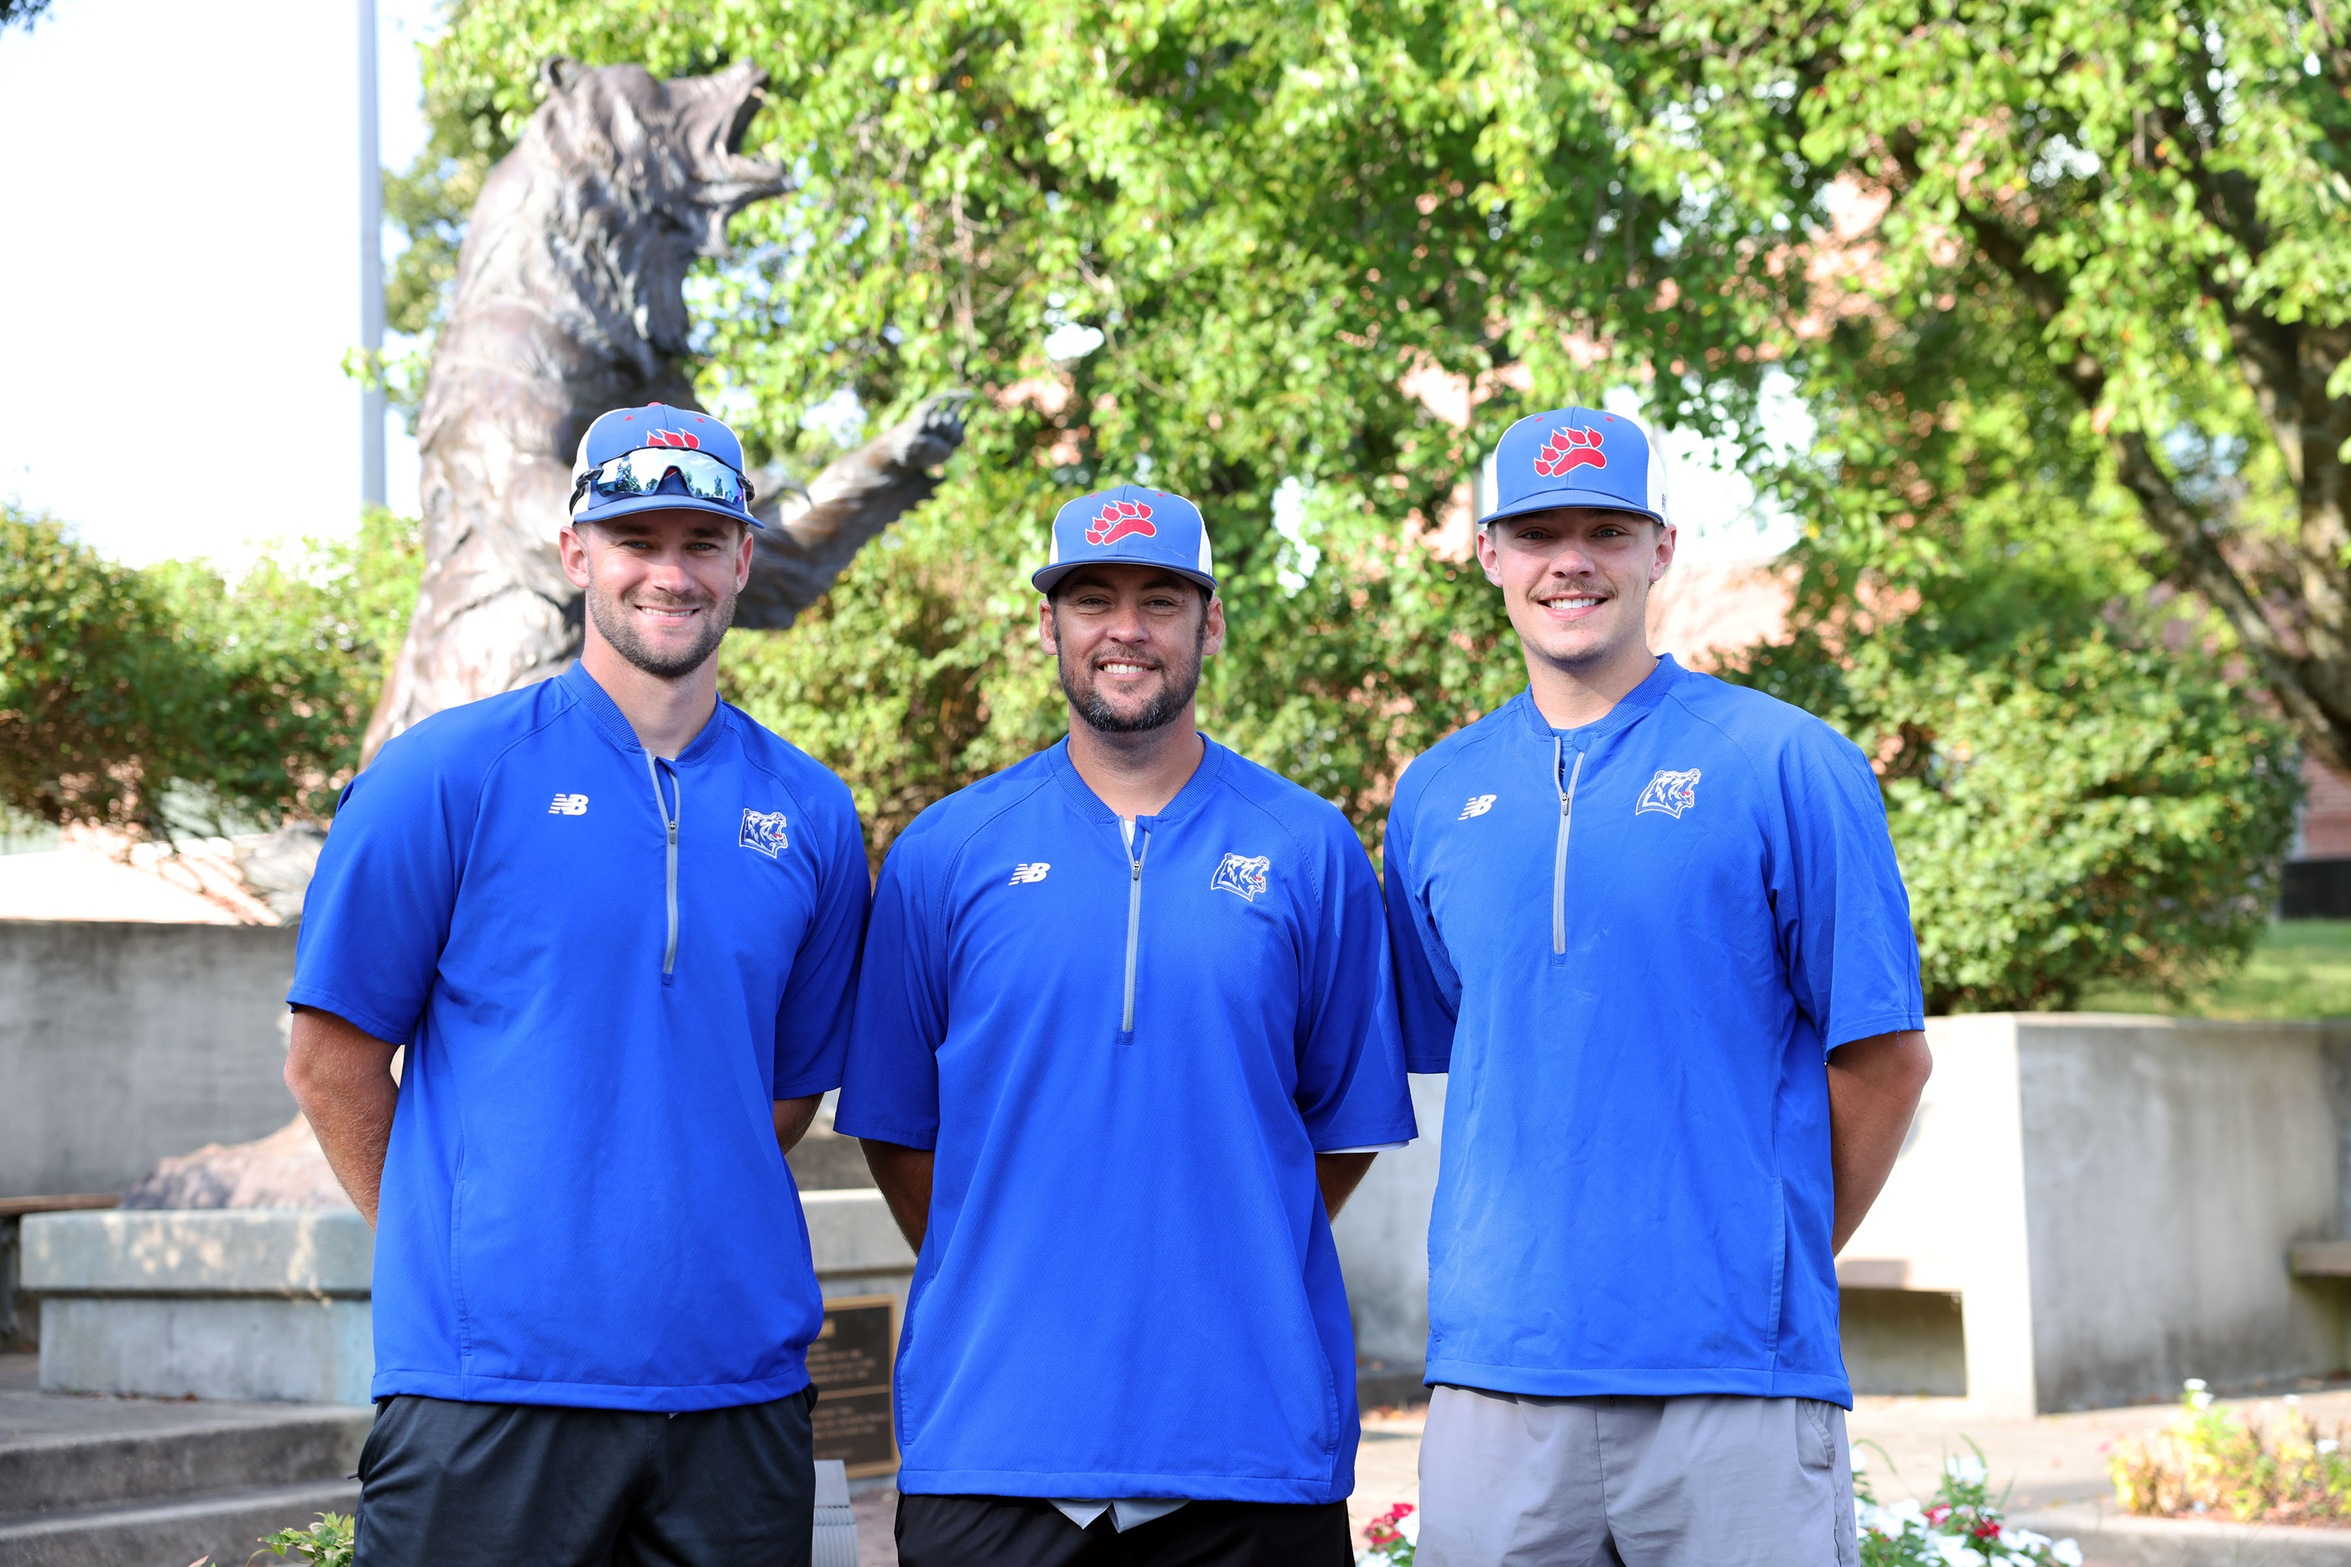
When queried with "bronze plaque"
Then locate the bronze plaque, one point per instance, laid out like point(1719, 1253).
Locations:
point(850, 1365)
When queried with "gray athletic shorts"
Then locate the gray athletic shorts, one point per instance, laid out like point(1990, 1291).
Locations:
point(1703, 1480)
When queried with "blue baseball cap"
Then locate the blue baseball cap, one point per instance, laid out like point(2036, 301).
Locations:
point(660, 428)
point(1129, 526)
point(1577, 457)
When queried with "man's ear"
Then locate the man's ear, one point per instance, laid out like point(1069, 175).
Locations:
point(1046, 632)
point(1663, 561)
point(1488, 561)
point(1212, 634)
point(743, 555)
point(573, 547)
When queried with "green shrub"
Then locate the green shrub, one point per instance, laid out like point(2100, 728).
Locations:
point(170, 698)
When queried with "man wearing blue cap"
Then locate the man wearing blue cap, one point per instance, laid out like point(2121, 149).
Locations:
point(615, 923)
point(1651, 925)
point(1124, 1041)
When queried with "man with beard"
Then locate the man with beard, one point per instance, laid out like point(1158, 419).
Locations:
point(1124, 1042)
point(614, 923)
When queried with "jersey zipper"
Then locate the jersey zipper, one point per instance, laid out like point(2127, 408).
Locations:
point(1559, 849)
point(1135, 852)
point(671, 815)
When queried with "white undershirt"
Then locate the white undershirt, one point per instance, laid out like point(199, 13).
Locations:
point(1127, 1512)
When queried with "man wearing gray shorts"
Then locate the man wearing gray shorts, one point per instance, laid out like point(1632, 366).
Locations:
point(1652, 926)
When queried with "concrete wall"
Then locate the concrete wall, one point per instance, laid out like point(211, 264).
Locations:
point(2088, 1211)
point(2113, 1199)
point(1383, 1240)
point(120, 1044)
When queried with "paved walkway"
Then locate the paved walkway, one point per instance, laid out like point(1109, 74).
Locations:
point(2047, 1462)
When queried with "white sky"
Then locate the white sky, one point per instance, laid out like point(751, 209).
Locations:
point(181, 268)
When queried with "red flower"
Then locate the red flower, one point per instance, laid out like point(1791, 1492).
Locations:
point(1989, 1529)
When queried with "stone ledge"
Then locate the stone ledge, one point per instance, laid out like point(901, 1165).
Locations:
point(2111, 1538)
point(852, 1232)
point(282, 1252)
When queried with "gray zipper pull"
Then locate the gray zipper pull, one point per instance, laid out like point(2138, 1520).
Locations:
point(1559, 850)
point(1126, 1022)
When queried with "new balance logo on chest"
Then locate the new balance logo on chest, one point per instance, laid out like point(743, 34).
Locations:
point(1028, 871)
point(569, 805)
point(1479, 805)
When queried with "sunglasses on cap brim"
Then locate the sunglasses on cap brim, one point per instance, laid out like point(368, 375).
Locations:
point(642, 471)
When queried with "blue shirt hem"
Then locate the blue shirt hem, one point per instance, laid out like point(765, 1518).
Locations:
point(886, 1131)
point(1349, 1137)
point(586, 1395)
point(321, 999)
point(1118, 1487)
point(1542, 1382)
point(1873, 1024)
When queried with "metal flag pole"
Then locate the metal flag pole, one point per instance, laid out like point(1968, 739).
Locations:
point(371, 265)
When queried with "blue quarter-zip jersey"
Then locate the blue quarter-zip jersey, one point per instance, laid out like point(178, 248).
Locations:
point(1126, 1061)
point(605, 968)
point(1632, 945)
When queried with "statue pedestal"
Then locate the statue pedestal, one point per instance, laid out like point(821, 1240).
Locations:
point(231, 1303)
point(272, 1303)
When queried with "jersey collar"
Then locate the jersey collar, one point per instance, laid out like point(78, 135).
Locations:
point(1188, 799)
point(1634, 706)
point(615, 724)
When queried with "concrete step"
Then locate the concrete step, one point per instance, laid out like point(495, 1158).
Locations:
point(44, 1471)
point(226, 1526)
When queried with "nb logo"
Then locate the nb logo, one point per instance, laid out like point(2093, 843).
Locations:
point(1028, 871)
point(569, 805)
point(1670, 792)
point(1479, 805)
point(763, 832)
point(1243, 875)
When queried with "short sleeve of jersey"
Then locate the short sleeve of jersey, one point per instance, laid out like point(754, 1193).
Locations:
point(1351, 1087)
point(378, 908)
point(890, 1082)
point(812, 1024)
point(1428, 991)
point(1844, 914)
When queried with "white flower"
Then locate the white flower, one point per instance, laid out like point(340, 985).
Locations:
point(2194, 1384)
point(2328, 1444)
point(1409, 1526)
point(2293, 1401)
point(2066, 1554)
point(2023, 1539)
point(1956, 1553)
point(1907, 1511)
point(2200, 1400)
point(1967, 1471)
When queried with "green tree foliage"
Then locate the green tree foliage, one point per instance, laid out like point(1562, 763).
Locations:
point(87, 662)
point(1259, 217)
point(2076, 793)
point(1240, 226)
point(2137, 214)
point(168, 699)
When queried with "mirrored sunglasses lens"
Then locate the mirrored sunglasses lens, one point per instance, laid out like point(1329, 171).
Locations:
point(641, 473)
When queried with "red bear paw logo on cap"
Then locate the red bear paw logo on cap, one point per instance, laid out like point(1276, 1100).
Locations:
point(1119, 520)
point(684, 440)
point(1570, 449)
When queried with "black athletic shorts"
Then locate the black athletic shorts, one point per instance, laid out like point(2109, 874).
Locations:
point(445, 1484)
point(1013, 1531)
